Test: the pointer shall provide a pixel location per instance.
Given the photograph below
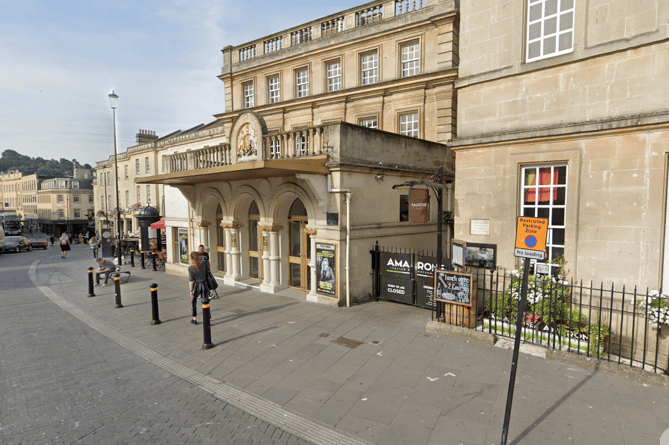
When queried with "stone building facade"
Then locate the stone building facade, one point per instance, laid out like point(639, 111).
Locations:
point(563, 113)
point(321, 121)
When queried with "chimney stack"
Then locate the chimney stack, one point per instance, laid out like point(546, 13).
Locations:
point(145, 136)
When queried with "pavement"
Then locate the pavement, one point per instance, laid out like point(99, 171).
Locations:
point(369, 374)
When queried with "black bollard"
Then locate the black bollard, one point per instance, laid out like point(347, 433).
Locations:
point(154, 303)
point(206, 327)
point(153, 260)
point(91, 271)
point(141, 260)
point(117, 286)
point(132, 257)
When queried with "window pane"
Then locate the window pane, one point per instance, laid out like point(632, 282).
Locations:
point(253, 265)
point(551, 7)
point(566, 21)
point(550, 26)
point(253, 235)
point(295, 275)
point(535, 12)
point(294, 238)
point(559, 196)
point(549, 45)
point(534, 50)
point(565, 41)
point(535, 31)
point(557, 237)
point(566, 4)
point(543, 212)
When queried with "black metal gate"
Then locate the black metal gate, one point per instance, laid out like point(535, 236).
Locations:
point(405, 275)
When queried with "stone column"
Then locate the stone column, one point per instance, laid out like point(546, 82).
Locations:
point(272, 279)
point(233, 272)
point(204, 234)
point(265, 255)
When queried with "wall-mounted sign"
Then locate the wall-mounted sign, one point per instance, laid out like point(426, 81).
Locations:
point(183, 245)
point(453, 287)
point(419, 200)
point(325, 269)
point(396, 289)
point(479, 227)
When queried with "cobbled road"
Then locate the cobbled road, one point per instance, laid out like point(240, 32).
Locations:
point(61, 382)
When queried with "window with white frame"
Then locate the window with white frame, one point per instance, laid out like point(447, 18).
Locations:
point(76, 198)
point(550, 28)
point(302, 82)
point(90, 198)
point(301, 145)
point(410, 59)
point(77, 214)
point(61, 214)
point(248, 95)
point(139, 193)
point(126, 171)
point(127, 198)
point(334, 76)
point(544, 195)
point(136, 166)
point(60, 198)
point(274, 89)
point(148, 194)
point(147, 165)
point(409, 124)
point(369, 68)
point(275, 148)
point(369, 122)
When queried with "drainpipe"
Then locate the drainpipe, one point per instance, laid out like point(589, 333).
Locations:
point(348, 237)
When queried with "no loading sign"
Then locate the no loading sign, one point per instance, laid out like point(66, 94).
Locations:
point(531, 237)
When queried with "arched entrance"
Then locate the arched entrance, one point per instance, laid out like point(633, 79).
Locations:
point(255, 255)
point(299, 244)
point(220, 241)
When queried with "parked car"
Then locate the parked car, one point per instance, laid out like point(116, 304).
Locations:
point(17, 244)
point(40, 243)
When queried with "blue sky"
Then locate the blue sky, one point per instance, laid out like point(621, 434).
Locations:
point(60, 60)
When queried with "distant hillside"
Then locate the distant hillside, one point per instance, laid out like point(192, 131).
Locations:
point(11, 160)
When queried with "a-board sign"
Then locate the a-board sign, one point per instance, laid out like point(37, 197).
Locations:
point(425, 268)
point(531, 237)
point(453, 287)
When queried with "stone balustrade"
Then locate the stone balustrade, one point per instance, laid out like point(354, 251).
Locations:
point(247, 53)
point(272, 45)
point(406, 6)
point(369, 15)
point(300, 36)
point(332, 26)
point(294, 144)
point(199, 159)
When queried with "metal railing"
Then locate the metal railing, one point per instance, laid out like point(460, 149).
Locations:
point(623, 325)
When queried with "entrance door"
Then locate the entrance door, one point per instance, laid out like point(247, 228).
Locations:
point(255, 254)
point(220, 241)
point(299, 247)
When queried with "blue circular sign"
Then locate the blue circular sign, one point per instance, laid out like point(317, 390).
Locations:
point(530, 241)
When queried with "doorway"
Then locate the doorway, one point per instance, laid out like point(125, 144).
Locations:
point(299, 244)
point(255, 255)
point(220, 241)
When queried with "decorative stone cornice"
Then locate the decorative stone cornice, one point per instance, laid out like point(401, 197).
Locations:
point(310, 232)
point(232, 226)
point(203, 224)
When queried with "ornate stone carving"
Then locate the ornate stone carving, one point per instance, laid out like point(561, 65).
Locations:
point(232, 226)
point(203, 224)
point(272, 228)
point(310, 232)
point(247, 141)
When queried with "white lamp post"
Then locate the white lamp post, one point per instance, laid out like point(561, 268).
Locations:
point(113, 101)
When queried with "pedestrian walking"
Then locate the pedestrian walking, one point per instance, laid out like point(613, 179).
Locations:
point(52, 239)
point(81, 238)
point(197, 276)
point(64, 245)
point(204, 258)
point(95, 246)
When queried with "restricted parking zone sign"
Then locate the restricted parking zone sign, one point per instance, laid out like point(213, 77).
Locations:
point(531, 238)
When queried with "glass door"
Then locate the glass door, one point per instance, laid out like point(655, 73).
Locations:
point(299, 247)
point(220, 241)
point(255, 254)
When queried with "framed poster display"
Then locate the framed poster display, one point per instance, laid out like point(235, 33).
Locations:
point(183, 246)
point(326, 269)
point(481, 255)
point(453, 287)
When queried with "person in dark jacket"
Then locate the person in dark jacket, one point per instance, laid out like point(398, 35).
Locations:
point(197, 276)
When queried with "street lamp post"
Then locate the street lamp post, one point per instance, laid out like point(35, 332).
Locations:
point(113, 100)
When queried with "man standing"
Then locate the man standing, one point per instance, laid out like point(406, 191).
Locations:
point(107, 268)
point(204, 257)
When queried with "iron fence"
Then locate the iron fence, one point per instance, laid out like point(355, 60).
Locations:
point(623, 325)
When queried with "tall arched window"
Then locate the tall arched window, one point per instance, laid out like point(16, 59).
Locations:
point(220, 240)
point(255, 271)
point(299, 247)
